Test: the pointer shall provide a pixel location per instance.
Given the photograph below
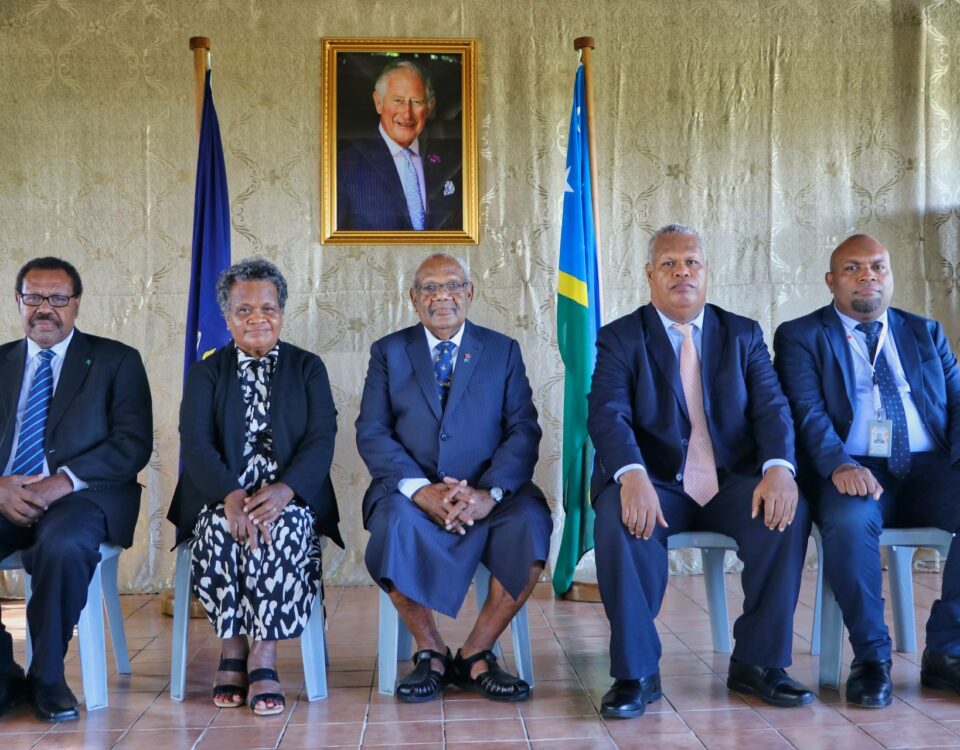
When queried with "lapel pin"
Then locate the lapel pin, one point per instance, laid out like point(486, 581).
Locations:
point(466, 356)
point(88, 362)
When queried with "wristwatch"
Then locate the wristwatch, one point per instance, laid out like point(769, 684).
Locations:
point(496, 493)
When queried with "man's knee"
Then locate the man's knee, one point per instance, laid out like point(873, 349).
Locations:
point(846, 517)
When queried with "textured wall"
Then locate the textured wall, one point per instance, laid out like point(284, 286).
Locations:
point(775, 127)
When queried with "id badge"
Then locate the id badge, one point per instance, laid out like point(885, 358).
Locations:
point(880, 438)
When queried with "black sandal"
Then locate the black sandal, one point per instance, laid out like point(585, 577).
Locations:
point(424, 682)
point(265, 673)
point(228, 691)
point(495, 683)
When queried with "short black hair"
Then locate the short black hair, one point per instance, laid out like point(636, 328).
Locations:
point(253, 268)
point(50, 263)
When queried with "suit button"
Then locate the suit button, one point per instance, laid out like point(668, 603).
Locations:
point(441, 474)
point(444, 436)
point(684, 442)
point(679, 477)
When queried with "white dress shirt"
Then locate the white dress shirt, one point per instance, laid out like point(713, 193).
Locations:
point(676, 341)
point(56, 365)
point(863, 408)
point(410, 485)
point(399, 160)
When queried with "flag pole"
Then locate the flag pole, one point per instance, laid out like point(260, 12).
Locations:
point(201, 61)
point(584, 45)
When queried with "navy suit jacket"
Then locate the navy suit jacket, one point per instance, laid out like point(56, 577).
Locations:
point(638, 414)
point(213, 429)
point(815, 365)
point(370, 194)
point(100, 423)
point(487, 434)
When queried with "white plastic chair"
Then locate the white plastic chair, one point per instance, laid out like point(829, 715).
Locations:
point(396, 640)
point(313, 645)
point(90, 629)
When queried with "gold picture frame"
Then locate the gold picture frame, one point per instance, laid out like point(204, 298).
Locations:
point(367, 198)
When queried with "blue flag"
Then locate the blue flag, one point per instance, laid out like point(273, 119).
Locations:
point(578, 318)
point(206, 329)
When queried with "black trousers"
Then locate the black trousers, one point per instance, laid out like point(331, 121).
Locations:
point(60, 552)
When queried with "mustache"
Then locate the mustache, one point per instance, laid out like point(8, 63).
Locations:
point(38, 317)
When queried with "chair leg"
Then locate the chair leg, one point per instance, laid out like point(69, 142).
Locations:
point(522, 653)
point(716, 598)
point(831, 638)
point(111, 599)
point(389, 637)
point(182, 594)
point(818, 600)
point(27, 592)
point(93, 646)
point(313, 650)
point(900, 569)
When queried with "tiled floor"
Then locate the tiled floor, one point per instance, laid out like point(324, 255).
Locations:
point(570, 655)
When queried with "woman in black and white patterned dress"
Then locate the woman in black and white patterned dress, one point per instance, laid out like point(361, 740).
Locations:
point(257, 427)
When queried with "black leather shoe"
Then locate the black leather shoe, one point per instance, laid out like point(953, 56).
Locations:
point(869, 684)
point(770, 684)
point(629, 698)
point(940, 671)
point(13, 688)
point(493, 683)
point(424, 682)
point(53, 702)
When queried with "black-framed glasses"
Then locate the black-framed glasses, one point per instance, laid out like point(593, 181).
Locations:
point(453, 287)
point(55, 300)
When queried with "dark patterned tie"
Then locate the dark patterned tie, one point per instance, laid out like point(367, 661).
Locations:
point(443, 369)
point(29, 456)
point(899, 461)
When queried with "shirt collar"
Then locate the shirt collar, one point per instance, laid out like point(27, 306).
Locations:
point(432, 340)
point(850, 324)
point(668, 324)
point(271, 355)
point(396, 148)
point(60, 350)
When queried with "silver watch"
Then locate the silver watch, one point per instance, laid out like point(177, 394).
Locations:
point(496, 493)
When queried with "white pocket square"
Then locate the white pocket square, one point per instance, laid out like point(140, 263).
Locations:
point(448, 188)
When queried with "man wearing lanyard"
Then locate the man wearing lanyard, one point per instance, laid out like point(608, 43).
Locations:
point(875, 393)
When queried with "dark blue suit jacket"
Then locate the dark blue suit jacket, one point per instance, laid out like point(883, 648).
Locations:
point(100, 423)
point(370, 194)
point(815, 365)
point(212, 431)
point(487, 434)
point(638, 414)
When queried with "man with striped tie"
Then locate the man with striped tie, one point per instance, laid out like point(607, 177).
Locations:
point(77, 428)
point(692, 432)
point(875, 392)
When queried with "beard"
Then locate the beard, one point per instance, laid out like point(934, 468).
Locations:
point(869, 305)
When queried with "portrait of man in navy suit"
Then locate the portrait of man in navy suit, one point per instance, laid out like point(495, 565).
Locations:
point(393, 176)
point(875, 393)
point(449, 433)
point(692, 433)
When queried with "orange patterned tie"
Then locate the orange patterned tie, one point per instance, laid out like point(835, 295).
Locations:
point(700, 472)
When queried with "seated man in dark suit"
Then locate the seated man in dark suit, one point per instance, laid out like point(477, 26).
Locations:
point(875, 393)
point(692, 432)
point(388, 179)
point(449, 432)
point(77, 427)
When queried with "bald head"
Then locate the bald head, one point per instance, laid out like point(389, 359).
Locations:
point(860, 278)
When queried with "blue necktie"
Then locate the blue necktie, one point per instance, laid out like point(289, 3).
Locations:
point(443, 369)
point(29, 455)
point(411, 190)
point(899, 461)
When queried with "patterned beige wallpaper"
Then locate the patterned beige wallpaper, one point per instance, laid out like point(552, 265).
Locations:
point(775, 126)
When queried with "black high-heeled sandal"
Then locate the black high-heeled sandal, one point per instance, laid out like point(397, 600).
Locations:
point(228, 691)
point(495, 684)
point(424, 682)
point(265, 673)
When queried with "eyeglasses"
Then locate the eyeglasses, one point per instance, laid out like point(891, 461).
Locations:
point(453, 287)
point(55, 300)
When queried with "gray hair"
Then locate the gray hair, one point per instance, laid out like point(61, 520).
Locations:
point(673, 229)
point(441, 256)
point(250, 269)
point(381, 85)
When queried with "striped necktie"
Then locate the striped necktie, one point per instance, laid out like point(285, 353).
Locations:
point(29, 456)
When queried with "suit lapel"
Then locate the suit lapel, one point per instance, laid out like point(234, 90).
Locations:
point(906, 341)
point(661, 352)
point(76, 366)
point(422, 363)
point(381, 161)
point(713, 339)
point(13, 368)
point(837, 338)
point(468, 360)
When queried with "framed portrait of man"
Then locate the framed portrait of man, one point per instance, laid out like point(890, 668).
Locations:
point(399, 156)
